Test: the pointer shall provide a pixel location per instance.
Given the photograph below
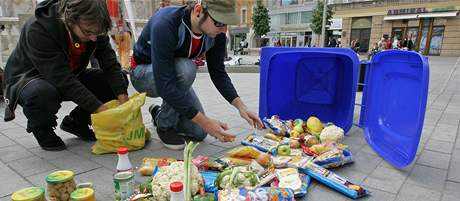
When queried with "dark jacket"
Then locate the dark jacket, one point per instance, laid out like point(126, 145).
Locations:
point(42, 53)
point(166, 37)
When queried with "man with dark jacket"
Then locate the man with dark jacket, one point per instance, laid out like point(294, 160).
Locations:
point(163, 68)
point(49, 63)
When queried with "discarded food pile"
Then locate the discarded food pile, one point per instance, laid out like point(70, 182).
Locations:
point(278, 165)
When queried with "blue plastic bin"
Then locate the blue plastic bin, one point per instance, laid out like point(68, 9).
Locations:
point(303, 82)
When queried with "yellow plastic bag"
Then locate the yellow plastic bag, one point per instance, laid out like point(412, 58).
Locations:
point(120, 126)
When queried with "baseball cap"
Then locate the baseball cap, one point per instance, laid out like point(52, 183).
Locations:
point(222, 10)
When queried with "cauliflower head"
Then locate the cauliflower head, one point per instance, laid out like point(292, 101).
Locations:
point(168, 174)
point(332, 133)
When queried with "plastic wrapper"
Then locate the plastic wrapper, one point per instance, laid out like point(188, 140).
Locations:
point(281, 161)
point(257, 168)
point(299, 161)
point(210, 181)
point(306, 180)
point(237, 177)
point(200, 162)
point(244, 151)
point(258, 194)
point(325, 147)
point(276, 125)
point(266, 179)
point(335, 181)
point(148, 165)
point(233, 161)
point(261, 143)
point(289, 178)
point(216, 165)
point(334, 158)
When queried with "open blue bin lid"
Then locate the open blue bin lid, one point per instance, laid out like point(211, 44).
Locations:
point(394, 103)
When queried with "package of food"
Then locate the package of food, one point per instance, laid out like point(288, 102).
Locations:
point(307, 151)
point(258, 194)
point(265, 160)
point(236, 177)
point(335, 181)
point(200, 162)
point(289, 178)
point(210, 180)
point(299, 161)
point(216, 165)
point(310, 140)
point(266, 179)
point(296, 152)
point(244, 151)
point(281, 161)
point(261, 143)
point(234, 161)
point(276, 125)
point(334, 158)
point(306, 180)
point(257, 168)
point(148, 164)
point(60, 185)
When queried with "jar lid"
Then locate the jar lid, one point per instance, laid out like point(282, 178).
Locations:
point(28, 194)
point(59, 176)
point(176, 186)
point(122, 150)
point(82, 194)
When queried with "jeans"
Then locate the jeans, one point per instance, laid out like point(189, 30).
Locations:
point(41, 100)
point(143, 80)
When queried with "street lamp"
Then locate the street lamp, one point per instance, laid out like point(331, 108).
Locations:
point(323, 27)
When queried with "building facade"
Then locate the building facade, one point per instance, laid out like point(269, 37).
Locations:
point(290, 22)
point(433, 26)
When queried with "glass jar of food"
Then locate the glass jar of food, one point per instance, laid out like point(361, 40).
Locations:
point(29, 194)
point(60, 185)
point(83, 194)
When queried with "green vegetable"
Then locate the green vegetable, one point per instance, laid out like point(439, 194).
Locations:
point(206, 197)
point(188, 151)
point(221, 176)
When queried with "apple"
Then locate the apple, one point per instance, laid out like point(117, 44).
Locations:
point(284, 150)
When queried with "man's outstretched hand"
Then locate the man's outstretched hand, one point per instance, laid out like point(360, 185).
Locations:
point(214, 128)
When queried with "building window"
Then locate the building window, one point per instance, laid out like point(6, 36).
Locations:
point(293, 18)
point(289, 2)
point(244, 16)
point(306, 17)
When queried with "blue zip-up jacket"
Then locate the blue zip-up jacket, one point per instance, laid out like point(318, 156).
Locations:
point(166, 37)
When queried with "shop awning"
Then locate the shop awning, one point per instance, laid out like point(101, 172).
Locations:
point(438, 14)
point(400, 17)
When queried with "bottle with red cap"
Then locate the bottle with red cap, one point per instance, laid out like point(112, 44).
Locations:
point(123, 161)
point(177, 191)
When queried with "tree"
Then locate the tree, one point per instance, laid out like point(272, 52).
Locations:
point(317, 21)
point(261, 20)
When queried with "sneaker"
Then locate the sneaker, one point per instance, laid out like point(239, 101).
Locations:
point(48, 140)
point(170, 139)
point(78, 129)
point(154, 110)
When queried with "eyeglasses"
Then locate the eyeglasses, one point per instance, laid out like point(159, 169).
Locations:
point(90, 33)
point(216, 23)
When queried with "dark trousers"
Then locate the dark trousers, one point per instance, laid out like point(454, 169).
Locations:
point(41, 100)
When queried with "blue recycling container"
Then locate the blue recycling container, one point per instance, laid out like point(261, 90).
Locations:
point(303, 82)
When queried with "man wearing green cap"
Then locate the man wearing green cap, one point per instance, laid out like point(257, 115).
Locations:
point(162, 66)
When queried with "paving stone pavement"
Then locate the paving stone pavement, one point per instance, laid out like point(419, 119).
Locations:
point(433, 176)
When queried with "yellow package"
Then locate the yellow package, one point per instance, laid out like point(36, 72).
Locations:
point(245, 151)
point(120, 126)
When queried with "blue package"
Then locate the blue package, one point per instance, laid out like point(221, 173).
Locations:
point(334, 181)
point(336, 161)
point(209, 181)
point(261, 143)
point(257, 194)
point(276, 125)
